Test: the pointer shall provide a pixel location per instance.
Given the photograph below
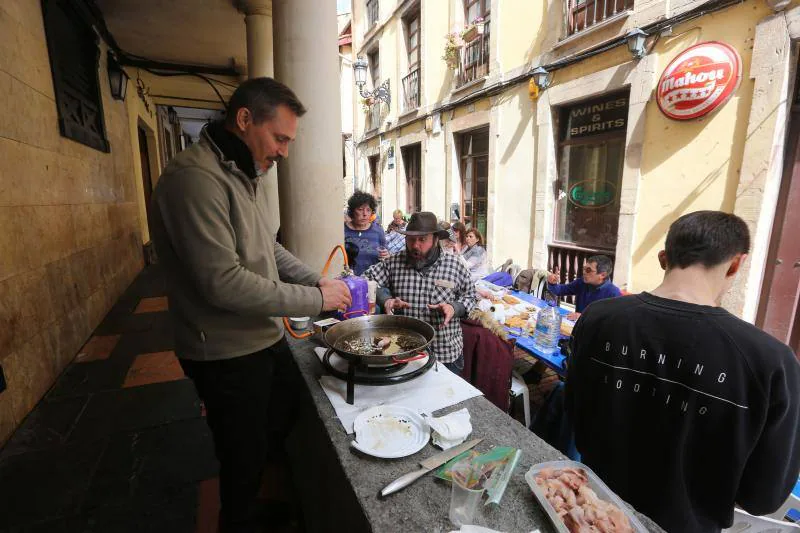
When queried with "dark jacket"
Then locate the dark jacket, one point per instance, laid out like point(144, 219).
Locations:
point(585, 293)
point(488, 361)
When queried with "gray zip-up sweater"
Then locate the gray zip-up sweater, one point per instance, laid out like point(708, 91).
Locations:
point(229, 281)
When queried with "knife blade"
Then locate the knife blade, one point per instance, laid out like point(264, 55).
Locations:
point(426, 466)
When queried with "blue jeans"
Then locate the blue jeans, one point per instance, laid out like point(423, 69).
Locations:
point(456, 366)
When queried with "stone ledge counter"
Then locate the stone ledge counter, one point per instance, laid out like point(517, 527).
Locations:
point(338, 486)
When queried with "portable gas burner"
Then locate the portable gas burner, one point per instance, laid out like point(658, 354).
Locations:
point(377, 368)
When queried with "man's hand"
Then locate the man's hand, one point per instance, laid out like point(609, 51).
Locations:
point(553, 278)
point(394, 303)
point(446, 309)
point(335, 294)
point(383, 253)
point(573, 316)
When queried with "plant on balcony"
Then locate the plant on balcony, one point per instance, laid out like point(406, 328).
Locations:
point(452, 50)
point(366, 104)
point(472, 30)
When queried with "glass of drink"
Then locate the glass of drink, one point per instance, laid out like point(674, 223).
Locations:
point(463, 503)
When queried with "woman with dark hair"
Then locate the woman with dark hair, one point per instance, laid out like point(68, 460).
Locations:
point(460, 231)
point(364, 234)
point(475, 254)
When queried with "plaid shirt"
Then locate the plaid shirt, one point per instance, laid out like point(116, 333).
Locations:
point(395, 242)
point(445, 281)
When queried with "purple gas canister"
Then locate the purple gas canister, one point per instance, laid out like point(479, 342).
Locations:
point(359, 292)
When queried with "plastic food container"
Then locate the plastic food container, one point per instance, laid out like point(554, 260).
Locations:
point(595, 483)
point(300, 322)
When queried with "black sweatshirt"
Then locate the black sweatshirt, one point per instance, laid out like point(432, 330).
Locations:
point(684, 410)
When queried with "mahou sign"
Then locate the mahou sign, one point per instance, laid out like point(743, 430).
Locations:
point(699, 80)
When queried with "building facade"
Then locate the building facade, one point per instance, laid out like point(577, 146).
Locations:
point(589, 163)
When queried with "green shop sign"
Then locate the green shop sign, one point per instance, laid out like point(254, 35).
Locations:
point(592, 194)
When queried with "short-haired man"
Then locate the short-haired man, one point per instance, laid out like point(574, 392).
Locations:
point(427, 283)
point(593, 285)
point(229, 281)
point(682, 408)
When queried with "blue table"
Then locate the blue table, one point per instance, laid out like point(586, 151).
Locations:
point(555, 361)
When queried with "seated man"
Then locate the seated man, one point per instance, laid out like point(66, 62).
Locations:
point(427, 283)
point(683, 409)
point(592, 286)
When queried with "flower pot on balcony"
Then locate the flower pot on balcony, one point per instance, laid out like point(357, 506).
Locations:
point(470, 34)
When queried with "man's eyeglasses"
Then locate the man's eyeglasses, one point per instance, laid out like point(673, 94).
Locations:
point(588, 270)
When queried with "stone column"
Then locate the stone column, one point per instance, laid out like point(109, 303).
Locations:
point(310, 180)
point(258, 23)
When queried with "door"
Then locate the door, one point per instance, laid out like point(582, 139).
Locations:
point(475, 179)
point(778, 314)
point(147, 181)
point(412, 161)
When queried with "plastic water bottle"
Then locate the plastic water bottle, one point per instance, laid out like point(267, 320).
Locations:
point(548, 328)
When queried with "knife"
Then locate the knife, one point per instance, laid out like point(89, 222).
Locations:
point(426, 466)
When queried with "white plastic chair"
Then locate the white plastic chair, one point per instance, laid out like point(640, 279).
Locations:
point(519, 387)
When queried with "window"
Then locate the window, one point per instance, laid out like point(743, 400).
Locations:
point(412, 161)
point(582, 14)
point(591, 160)
point(372, 14)
point(74, 56)
point(412, 40)
point(411, 88)
point(475, 8)
point(475, 178)
point(475, 54)
point(374, 60)
point(374, 117)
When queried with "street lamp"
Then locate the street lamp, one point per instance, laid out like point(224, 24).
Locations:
point(541, 78)
point(117, 78)
point(380, 93)
point(636, 43)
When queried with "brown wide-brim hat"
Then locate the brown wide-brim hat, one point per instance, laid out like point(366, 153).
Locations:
point(424, 223)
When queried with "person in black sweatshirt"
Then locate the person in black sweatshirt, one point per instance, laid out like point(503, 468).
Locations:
point(683, 409)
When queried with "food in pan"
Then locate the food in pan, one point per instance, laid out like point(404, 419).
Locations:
point(510, 300)
point(567, 490)
point(380, 342)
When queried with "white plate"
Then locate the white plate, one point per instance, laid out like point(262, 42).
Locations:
point(390, 431)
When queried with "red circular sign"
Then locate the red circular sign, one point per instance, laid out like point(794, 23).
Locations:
point(699, 80)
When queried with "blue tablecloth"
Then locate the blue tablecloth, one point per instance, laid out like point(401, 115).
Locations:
point(554, 361)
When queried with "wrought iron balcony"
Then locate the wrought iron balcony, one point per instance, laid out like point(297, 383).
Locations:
point(583, 14)
point(411, 90)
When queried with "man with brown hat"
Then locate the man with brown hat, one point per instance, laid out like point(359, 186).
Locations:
point(427, 283)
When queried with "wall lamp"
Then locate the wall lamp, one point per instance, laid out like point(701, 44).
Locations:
point(117, 78)
point(636, 43)
point(380, 93)
point(541, 78)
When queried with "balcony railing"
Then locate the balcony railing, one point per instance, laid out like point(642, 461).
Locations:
point(583, 14)
point(374, 116)
point(569, 261)
point(474, 59)
point(372, 13)
point(411, 90)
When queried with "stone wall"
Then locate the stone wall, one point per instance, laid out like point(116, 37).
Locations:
point(69, 236)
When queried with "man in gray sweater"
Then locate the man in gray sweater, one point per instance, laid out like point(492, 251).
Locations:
point(230, 282)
